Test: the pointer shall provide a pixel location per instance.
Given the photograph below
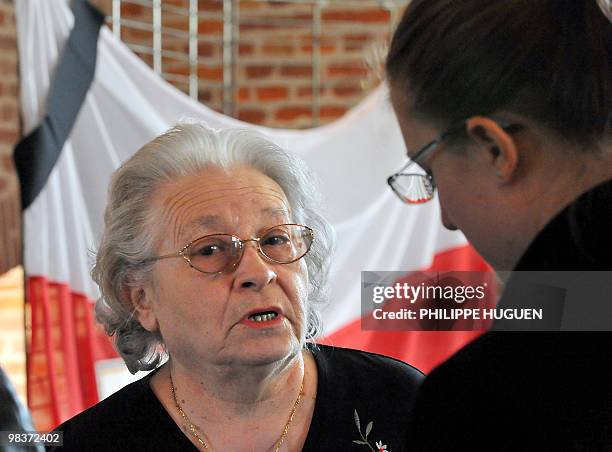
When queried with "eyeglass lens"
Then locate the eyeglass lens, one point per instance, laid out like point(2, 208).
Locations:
point(413, 188)
point(281, 244)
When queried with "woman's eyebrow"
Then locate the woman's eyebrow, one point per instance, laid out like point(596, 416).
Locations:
point(216, 220)
point(207, 220)
point(276, 211)
point(185, 231)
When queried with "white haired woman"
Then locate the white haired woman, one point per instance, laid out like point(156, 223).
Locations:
point(214, 256)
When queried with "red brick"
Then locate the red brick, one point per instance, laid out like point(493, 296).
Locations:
point(327, 45)
point(361, 15)
point(9, 113)
point(347, 90)
point(214, 73)
point(204, 96)
point(278, 49)
point(8, 43)
point(7, 163)
point(355, 69)
point(354, 47)
point(305, 92)
point(252, 115)
point(210, 27)
point(258, 71)
point(358, 41)
point(296, 71)
point(210, 5)
point(206, 49)
point(244, 94)
point(175, 22)
point(272, 93)
point(176, 44)
point(146, 58)
point(130, 9)
point(331, 111)
point(245, 49)
point(252, 5)
point(292, 113)
point(325, 48)
point(176, 69)
point(302, 16)
point(259, 26)
point(9, 136)
point(136, 36)
point(357, 37)
point(180, 3)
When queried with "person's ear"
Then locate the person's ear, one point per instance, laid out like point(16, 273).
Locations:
point(502, 151)
point(140, 297)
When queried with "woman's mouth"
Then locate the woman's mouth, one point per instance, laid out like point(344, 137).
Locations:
point(263, 316)
point(263, 319)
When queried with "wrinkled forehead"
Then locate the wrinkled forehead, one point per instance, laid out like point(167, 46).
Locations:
point(237, 200)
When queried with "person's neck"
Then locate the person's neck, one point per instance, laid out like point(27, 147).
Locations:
point(235, 391)
point(555, 188)
point(558, 178)
point(569, 182)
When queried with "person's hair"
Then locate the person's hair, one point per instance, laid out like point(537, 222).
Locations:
point(129, 235)
point(548, 60)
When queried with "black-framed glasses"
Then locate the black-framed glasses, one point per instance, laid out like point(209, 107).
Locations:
point(415, 188)
point(219, 253)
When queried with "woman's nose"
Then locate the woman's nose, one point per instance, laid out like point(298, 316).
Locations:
point(253, 271)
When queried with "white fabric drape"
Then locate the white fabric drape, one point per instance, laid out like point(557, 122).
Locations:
point(128, 105)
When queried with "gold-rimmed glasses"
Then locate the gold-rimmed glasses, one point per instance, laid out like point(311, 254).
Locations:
point(219, 253)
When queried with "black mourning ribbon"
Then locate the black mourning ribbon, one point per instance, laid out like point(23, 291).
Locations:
point(36, 154)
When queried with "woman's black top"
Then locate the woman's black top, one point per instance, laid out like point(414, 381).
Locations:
point(363, 401)
point(533, 390)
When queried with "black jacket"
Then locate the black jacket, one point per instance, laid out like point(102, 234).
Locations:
point(523, 391)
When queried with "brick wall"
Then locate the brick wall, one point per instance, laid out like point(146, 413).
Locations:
point(274, 59)
point(9, 134)
point(12, 347)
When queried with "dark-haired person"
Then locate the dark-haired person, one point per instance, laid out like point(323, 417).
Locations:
point(505, 106)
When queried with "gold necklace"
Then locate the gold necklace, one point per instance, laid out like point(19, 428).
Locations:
point(194, 430)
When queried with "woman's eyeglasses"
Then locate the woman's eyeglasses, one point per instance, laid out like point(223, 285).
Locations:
point(415, 188)
point(219, 253)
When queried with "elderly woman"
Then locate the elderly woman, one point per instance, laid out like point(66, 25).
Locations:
point(214, 256)
point(505, 106)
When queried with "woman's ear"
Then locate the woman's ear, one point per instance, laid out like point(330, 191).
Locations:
point(141, 298)
point(502, 151)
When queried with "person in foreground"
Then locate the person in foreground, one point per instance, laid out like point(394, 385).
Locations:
point(505, 106)
point(214, 255)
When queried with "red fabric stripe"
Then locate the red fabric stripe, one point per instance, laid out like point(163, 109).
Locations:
point(64, 345)
point(69, 349)
point(85, 339)
point(41, 320)
point(423, 349)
